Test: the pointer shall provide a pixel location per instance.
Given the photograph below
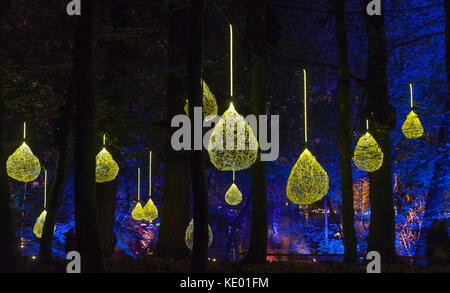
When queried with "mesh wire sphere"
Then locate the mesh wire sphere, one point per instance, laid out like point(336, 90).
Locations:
point(189, 235)
point(106, 168)
point(412, 128)
point(209, 104)
point(232, 145)
point(308, 181)
point(150, 211)
point(138, 212)
point(368, 155)
point(22, 165)
point(38, 227)
point(233, 196)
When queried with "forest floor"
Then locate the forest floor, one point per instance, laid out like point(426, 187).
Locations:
point(153, 264)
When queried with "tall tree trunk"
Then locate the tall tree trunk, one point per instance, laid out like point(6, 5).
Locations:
point(434, 198)
point(106, 203)
point(9, 246)
point(62, 130)
point(199, 189)
point(382, 120)
point(256, 11)
point(86, 215)
point(176, 194)
point(345, 139)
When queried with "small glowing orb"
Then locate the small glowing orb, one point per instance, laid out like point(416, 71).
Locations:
point(232, 145)
point(209, 104)
point(368, 156)
point(412, 128)
point(233, 196)
point(38, 227)
point(189, 236)
point(106, 168)
point(138, 212)
point(308, 181)
point(22, 165)
point(150, 211)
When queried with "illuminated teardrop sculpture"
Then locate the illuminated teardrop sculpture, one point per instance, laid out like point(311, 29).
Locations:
point(138, 212)
point(189, 235)
point(38, 227)
point(22, 165)
point(232, 145)
point(106, 168)
point(209, 104)
point(368, 155)
point(233, 196)
point(308, 181)
point(412, 128)
point(150, 211)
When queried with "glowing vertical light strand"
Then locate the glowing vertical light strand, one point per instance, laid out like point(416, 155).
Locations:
point(231, 60)
point(305, 101)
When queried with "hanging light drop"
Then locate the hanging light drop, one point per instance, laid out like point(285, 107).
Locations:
point(138, 211)
point(23, 165)
point(308, 181)
point(368, 155)
point(189, 235)
point(233, 196)
point(232, 145)
point(106, 168)
point(150, 210)
point(412, 128)
point(209, 103)
point(39, 225)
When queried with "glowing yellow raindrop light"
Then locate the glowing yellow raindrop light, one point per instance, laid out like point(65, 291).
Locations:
point(232, 145)
point(189, 235)
point(233, 196)
point(150, 210)
point(209, 103)
point(368, 155)
point(23, 165)
point(106, 168)
point(138, 211)
point(39, 225)
point(412, 128)
point(308, 181)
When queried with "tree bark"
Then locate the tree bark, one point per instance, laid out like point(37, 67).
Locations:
point(62, 130)
point(257, 252)
point(199, 188)
point(345, 139)
point(106, 203)
point(86, 214)
point(9, 245)
point(382, 120)
point(176, 194)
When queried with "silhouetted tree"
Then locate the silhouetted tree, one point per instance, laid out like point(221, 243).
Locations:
point(345, 139)
point(86, 215)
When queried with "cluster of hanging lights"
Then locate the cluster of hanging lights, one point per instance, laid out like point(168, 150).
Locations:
point(149, 212)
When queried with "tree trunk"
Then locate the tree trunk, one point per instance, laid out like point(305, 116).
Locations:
point(382, 120)
point(62, 130)
point(106, 203)
point(176, 194)
point(199, 189)
point(435, 195)
point(86, 215)
point(345, 139)
point(9, 246)
point(256, 10)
